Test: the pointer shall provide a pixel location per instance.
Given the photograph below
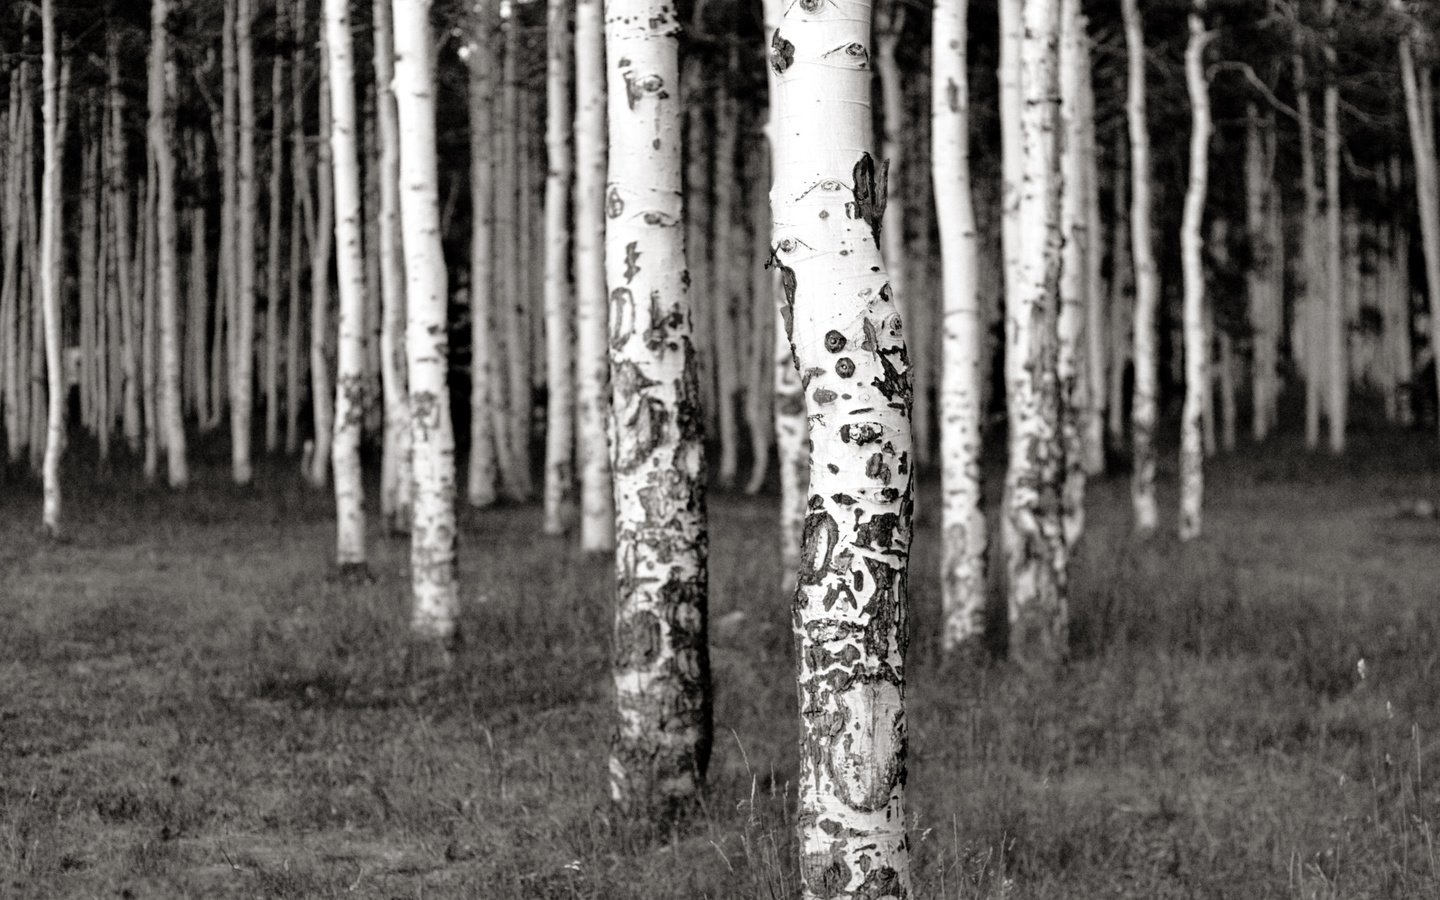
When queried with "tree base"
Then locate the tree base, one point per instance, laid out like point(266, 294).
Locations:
point(352, 574)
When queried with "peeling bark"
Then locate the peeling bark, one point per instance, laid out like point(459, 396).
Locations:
point(851, 606)
point(663, 733)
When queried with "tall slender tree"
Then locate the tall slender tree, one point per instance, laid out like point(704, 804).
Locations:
point(242, 361)
point(559, 498)
point(1337, 355)
point(592, 361)
point(432, 533)
point(846, 333)
point(350, 374)
point(661, 743)
point(162, 147)
point(963, 568)
point(1143, 405)
point(51, 209)
point(487, 443)
point(1192, 242)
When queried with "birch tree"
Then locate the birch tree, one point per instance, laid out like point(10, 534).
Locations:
point(850, 607)
point(486, 441)
point(322, 233)
point(162, 147)
point(51, 208)
point(1192, 244)
point(592, 361)
point(661, 743)
point(1143, 405)
point(1035, 550)
point(1264, 312)
point(350, 372)
point(242, 361)
point(965, 540)
point(432, 533)
point(559, 489)
point(1074, 269)
point(1337, 356)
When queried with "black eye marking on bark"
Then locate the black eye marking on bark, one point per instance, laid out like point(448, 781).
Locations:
point(632, 258)
point(782, 53)
point(952, 95)
point(622, 316)
point(633, 90)
point(821, 534)
point(855, 51)
point(614, 206)
point(845, 367)
point(824, 396)
point(834, 341)
point(870, 193)
point(860, 433)
point(787, 311)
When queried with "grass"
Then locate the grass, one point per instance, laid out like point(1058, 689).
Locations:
point(191, 707)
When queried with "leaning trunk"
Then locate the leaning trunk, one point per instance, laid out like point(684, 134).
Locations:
point(1192, 246)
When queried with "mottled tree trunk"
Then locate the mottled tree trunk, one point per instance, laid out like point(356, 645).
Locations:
point(339, 129)
point(1192, 247)
point(514, 263)
point(1420, 113)
point(1144, 402)
point(242, 357)
point(432, 535)
point(1074, 270)
point(1263, 312)
point(167, 289)
point(1092, 423)
point(482, 472)
point(662, 740)
point(965, 539)
point(559, 490)
point(724, 271)
point(851, 605)
point(592, 362)
point(51, 210)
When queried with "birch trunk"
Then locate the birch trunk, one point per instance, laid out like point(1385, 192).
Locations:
point(51, 208)
point(662, 740)
point(1337, 356)
point(1395, 271)
point(89, 240)
point(242, 360)
point(723, 276)
point(433, 531)
point(559, 496)
point(963, 515)
point(1093, 413)
point(1143, 404)
point(349, 266)
point(302, 235)
point(791, 445)
point(1192, 247)
point(273, 243)
point(514, 294)
point(396, 478)
point(592, 363)
point(1074, 272)
point(482, 472)
point(12, 300)
point(321, 396)
point(1257, 282)
point(167, 289)
point(150, 330)
point(1310, 312)
point(851, 604)
point(1420, 113)
point(764, 287)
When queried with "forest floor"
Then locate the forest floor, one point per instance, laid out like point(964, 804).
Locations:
point(191, 707)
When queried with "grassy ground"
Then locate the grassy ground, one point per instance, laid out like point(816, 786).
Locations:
point(189, 708)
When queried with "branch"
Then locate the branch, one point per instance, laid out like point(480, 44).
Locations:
point(1259, 85)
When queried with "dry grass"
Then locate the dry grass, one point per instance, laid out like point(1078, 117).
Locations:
point(189, 708)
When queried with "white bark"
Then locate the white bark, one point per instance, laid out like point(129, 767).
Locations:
point(273, 244)
point(663, 734)
point(1143, 404)
point(514, 266)
point(1420, 113)
point(349, 266)
point(1074, 270)
point(592, 362)
point(828, 201)
point(1192, 244)
point(433, 532)
point(322, 397)
point(1035, 548)
point(161, 135)
point(790, 425)
point(559, 489)
point(963, 517)
point(242, 362)
point(51, 208)
point(120, 209)
point(1093, 412)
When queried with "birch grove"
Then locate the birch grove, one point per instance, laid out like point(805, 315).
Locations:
point(845, 330)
